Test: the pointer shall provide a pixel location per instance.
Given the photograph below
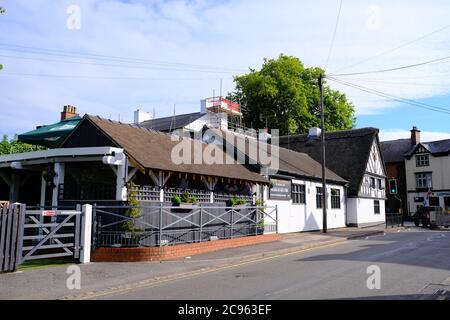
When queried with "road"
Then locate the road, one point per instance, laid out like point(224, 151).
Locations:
point(412, 264)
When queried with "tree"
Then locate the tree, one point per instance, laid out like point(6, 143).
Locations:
point(8, 146)
point(285, 95)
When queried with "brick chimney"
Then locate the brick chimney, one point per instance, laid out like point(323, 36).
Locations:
point(68, 112)
point(415, 136)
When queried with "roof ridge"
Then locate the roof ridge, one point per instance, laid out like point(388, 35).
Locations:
point(342, 132)
point(172, 116)
point(137, 126)
point(436, 141)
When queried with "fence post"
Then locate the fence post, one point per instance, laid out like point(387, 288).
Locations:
point(257, 220)
point(86, 234)
point(276, 217)
point(19, 244)
point(232, 223)
point(160, 224)
point(201, 223)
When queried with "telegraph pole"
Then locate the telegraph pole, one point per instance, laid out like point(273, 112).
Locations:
point(324, 180)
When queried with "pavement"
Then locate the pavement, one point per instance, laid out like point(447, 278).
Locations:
point(102, 279)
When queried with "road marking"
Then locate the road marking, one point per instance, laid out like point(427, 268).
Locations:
point(151, 283)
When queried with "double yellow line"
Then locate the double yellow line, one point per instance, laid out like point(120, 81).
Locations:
point(151, 283)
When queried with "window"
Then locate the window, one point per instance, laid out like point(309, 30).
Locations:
point(372, 183)
point(447, 202)
point(376, 205)
point(319, 198)
point(419, 199)
point(335, 199)
point(424, 180)
point(298, 194)
point(380, 184)
point(423, 160)
point(435, 202)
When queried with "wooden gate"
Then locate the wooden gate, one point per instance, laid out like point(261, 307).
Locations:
point(37, 234)
point(50, 234)
point(11, 227)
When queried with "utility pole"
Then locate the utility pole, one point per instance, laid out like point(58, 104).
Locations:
point(324, 180)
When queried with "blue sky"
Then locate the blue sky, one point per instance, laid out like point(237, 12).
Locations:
point(185, 47)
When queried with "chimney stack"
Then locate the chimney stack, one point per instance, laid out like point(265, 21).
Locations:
point(415, 136)
point(141, 116)
point(69, 112)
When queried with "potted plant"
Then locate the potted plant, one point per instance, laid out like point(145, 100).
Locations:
point(186, 201)
point(260, 212)
point(131, 231)
point(236, 203)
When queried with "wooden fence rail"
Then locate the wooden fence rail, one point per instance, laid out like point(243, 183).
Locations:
point(11, 233)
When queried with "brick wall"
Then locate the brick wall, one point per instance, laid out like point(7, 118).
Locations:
point(177, 251)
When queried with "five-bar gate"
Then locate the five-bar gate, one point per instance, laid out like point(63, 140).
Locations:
point(51, 234)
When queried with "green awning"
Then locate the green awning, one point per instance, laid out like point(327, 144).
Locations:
point(51, 136)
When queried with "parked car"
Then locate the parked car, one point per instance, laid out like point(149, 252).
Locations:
point(432, 217)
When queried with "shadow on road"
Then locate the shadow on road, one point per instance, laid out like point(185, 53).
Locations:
point(427, 249)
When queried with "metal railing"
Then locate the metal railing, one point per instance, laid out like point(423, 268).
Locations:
point(394, 220)
point(167, 225)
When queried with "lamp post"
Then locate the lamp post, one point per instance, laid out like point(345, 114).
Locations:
point(324, 181)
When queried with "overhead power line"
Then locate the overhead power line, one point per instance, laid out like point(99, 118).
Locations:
point(115, 65)
point(93, 56)
point(43, 75)
point(392, 69)
point(392, 97)
point(334, 34)
point(405, 44)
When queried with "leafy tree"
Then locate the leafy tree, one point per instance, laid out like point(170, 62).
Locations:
point(285, 95)
point(8, 146)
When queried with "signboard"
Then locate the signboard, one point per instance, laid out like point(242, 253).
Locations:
point(280, 189)
point(49, 213)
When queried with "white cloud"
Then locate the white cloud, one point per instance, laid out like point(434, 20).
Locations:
point(229, 34)
point(425, 136)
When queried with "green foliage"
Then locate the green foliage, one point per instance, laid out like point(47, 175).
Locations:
point(260, 203)
point(285, 95)
point(134, 212)
point(194, 200)
point(8, 146)
point(185, 198)
point(235, 201)
point(176, 201)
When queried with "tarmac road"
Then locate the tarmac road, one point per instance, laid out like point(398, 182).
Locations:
point(413, 265)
